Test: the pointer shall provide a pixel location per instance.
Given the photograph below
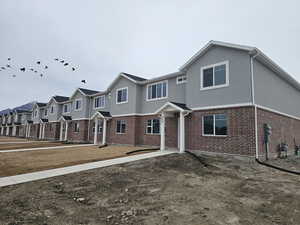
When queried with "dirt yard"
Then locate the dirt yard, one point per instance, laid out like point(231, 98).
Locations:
point(169, 190)
point(12, 139)
point(13, 163)
point(35, 144)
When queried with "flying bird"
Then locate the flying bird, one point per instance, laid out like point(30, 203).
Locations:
point(3, 68)
point(35, 71)
point(62, 61)
point(41, 75)
point(8, 59)
point(73, 68)
point(83, 81)
point(38, 62)
point(8, 66)
point(46, 67)
point(23, 69)
point(66, 64)
point(56, 59)
point(13, 75)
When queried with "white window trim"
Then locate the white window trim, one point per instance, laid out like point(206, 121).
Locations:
point(213, 135)
point(102, 96)
point(69, 108)
point(121, 127)
point(78, 99)
point(119, 89)
point(181, 82)
point(226, 63)
point(46, 110)
point(152, 127)
point(157, 99)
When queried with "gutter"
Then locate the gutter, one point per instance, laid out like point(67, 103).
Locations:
point(253, 100)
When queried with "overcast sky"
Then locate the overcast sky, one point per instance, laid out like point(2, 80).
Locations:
point(146, 38)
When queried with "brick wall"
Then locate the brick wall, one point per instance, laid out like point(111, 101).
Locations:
point(52, 131)
point(35, 131)
point(82, 135)
point(241, 132)
point(284, 129)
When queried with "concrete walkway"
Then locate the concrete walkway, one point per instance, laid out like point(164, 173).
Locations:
point(45, 148)
point(6, 181)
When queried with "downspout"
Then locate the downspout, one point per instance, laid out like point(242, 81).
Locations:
point(89, 123)
point(253, 102)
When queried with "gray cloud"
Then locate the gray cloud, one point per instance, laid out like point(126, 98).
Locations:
point(146, 38)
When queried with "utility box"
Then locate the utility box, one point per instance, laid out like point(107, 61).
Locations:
point(267, 132)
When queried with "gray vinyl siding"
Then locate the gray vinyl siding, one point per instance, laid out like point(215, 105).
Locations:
point(37, 118)
point(57, 111)
point(176, 93)
point(273, 92)
point(124, 108)
point(239, 89)
point(84, 112)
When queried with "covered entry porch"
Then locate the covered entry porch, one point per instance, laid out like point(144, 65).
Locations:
point(177, 111)
point(64, 125)
point(100, 119)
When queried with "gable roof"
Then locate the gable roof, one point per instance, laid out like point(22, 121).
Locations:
point(40, 104)
point(88, 92)
point(60, 99)
point(133, 77)
point(252, 51)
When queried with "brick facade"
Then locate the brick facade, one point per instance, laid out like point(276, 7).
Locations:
point(240, 137)
point(52, 131)
point(35, 131)
point(284, 129)
point(82, 135)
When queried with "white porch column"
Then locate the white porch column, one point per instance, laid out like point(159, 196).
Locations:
point(66, 131)
point(96, 131)
point(162, 132)
point(104, 131)
point(26, 130)
point(7, 131)
point(44, 125)
point(29, 130)
point(14, 131)
point(61, 131)
point(40, 134)
point(182, 134)
point(2, 129)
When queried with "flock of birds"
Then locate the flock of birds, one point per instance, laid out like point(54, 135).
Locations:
point(42, 67)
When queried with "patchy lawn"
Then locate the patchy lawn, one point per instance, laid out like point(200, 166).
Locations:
point(169, 190)
point(12, 139)
point(33, 144)
point(13, 163)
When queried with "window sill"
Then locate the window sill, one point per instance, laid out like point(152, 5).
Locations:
point(152, 134)
point(120, 133)
point(156, 99)
point(217, 136)
point(213, 87)
point(119, 103)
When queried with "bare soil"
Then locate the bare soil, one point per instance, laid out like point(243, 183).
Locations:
point(169, 190)
point(14, 163)
point(36, 144)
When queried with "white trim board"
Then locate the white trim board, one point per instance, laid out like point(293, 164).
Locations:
point(277, 112)
point(11, 180)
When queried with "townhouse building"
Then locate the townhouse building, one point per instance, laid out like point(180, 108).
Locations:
point(218, 101)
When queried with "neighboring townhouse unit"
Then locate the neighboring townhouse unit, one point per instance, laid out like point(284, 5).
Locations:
point(76, 114)
point(19, 122)
point(50, 121)
point(38, 113)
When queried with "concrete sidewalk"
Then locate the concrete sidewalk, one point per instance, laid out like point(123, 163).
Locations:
point(23, 178)
point(45, 148)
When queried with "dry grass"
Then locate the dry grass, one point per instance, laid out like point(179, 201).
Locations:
point(36, 144)
point(12, 139)
point(14, 163)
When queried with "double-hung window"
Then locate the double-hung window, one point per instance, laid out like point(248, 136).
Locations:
point(153, 126)
point(121, 127)
point(76, 127)
point(99, 102)
point(122, 95)
point(52, 109)
point(46, 112)
point(215, 125)
point(66, 108)
point(99, 128)
point(78, 104)
point(214, 76)
point(157, 91)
